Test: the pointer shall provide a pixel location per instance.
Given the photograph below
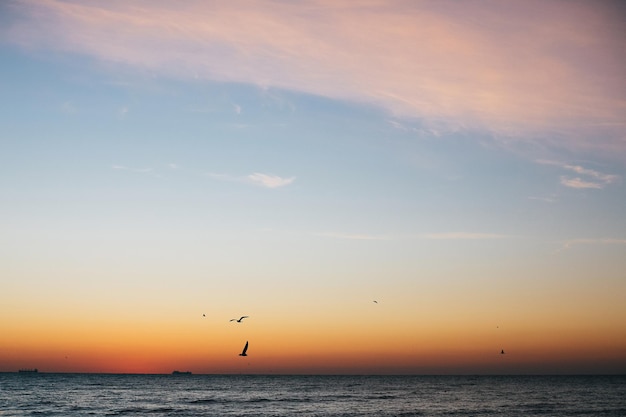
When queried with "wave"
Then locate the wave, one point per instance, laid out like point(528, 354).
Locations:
point(142, 411)
point(207, 401)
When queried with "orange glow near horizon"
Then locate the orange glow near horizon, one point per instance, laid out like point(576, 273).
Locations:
point(401, 337)
point(334, 348)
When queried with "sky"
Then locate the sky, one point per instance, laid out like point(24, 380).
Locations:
point(383, 187)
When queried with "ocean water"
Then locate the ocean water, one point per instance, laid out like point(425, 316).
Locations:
point(253, 395)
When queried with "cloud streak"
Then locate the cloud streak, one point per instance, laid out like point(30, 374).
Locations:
point(547, 71)
point(258, 179)
point(462, 236)
point(269, 181)
point(427, 236)
point(579, 183)
point(568, 244)
point(595, 179)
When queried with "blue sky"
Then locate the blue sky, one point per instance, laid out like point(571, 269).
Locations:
point(347, 169)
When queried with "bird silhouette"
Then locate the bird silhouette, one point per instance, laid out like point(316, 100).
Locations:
point(376, 301)
point(502, 352)
point(245, 348)
point(241, 318)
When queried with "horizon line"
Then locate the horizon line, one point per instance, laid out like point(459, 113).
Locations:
point(620, 374)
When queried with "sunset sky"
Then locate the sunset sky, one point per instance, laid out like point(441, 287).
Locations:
point(461, 163)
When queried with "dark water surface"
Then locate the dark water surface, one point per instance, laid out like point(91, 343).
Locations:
point(229, 395)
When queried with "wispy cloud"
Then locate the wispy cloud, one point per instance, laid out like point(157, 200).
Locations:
point(480, 65)
point(605, 178)
point(270, 181)
point(594, 179)
point(577, 182)
point(397, 125)
point(427, 236)
point(568, 244)
point(263, 180)
point(222, 177)
point(462, 236)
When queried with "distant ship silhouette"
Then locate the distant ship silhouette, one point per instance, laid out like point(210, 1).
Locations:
point(181, 373)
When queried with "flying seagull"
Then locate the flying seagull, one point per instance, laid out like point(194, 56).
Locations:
point(245, 348)
point(241, 318)
point(502, 352)
point(376, 301)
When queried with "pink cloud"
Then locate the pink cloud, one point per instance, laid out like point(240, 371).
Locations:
point(263, 180)
point(579, 183)
point(550, 69)
point(269, 181)
point(594, 179)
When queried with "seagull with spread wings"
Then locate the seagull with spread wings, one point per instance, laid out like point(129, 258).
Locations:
point(240, 318)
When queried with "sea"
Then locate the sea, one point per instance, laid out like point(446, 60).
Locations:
point(50, 394)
